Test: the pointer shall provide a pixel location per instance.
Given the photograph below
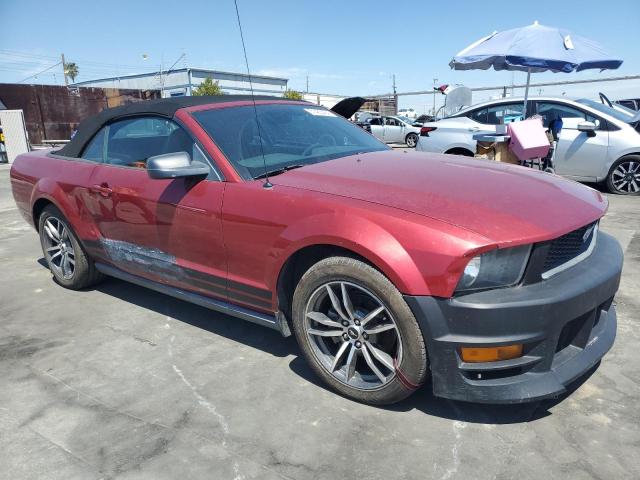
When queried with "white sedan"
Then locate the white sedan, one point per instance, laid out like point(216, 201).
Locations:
point(393, 130)
point(597, 143)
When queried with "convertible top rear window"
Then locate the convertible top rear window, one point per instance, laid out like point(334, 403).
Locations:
point(291, 135)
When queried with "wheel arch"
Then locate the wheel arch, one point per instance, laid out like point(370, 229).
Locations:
point(459, 151)
point(417, 135)
point(628, 154)
point(38, 206)
point(299, 262)
point(609, 171)
point(47, 192)
point(307, 242)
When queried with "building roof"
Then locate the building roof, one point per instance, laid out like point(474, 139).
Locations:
point(175, 70)
point(165, 107)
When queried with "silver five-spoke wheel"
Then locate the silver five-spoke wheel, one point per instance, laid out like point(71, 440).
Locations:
point(59, 248)
point(626, 177)
point(353, 335)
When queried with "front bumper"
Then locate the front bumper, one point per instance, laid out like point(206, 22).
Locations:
point(566, 323)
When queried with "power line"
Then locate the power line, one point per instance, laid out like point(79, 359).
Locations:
point(175, 63)
point(35, 75)
point(25, 55)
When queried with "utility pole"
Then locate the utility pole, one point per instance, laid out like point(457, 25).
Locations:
point(307, 83)
point(435, 81)
point(395, 97)
point(64, 70)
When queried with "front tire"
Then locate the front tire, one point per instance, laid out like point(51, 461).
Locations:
point(411, 140)
point(70, 265)
point(357, 332)
point(624, 176)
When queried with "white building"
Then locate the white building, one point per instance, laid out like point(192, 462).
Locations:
point(182, 81)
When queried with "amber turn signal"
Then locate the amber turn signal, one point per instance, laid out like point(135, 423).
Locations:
point(490, 354)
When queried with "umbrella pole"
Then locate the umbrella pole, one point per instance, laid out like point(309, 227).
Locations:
point(526, 94)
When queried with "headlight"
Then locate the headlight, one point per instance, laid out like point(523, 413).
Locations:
point(497, 268)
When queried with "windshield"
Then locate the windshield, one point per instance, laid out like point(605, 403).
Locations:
point(291, 135)
point(623, 114)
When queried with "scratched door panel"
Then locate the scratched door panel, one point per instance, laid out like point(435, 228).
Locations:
point(164, 230)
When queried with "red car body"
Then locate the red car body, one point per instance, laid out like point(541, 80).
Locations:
point(417, 218)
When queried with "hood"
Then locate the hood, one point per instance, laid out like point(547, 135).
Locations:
point(506, 204)
point(348, 106)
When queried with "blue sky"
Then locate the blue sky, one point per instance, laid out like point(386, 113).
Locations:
point(346, 47)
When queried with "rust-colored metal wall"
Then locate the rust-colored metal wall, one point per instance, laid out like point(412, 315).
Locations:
point(52, 112)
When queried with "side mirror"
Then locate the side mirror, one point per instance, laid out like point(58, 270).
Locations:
point(588, 127)
point(175, 165)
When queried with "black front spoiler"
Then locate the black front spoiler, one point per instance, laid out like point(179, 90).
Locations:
point(567, 323)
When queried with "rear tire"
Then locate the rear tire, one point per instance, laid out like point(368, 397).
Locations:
point(411, 140)
point(624, 176)
point(69, 263)
point(381, 357)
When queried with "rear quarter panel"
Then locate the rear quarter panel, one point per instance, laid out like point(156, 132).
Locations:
point(63, 182)
point(450, 133)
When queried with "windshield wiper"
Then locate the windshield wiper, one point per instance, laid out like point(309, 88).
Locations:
point(277, 171)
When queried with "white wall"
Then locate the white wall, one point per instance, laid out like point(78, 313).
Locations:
point(15, 133)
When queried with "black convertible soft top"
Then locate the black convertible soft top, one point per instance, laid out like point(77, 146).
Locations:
point(165, 107)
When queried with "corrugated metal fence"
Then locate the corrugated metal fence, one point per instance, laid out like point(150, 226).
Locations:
point(52, 112)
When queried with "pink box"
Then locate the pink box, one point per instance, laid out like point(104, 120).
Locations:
point(528, 139)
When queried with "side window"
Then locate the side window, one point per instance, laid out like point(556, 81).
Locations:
point(479, 116)
point(375, 121)
point(550, 111)
point(391, 122)
point(94, 151)
point(132, 141)
point(505, 113)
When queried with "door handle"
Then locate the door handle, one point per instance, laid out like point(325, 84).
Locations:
point(102, 190)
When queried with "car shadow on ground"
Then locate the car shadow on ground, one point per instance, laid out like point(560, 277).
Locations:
point(424, 401)
point(271, 342)
point(238, 330)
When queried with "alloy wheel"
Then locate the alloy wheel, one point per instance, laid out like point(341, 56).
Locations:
point(411, 141)
point(626, 177)
point(353, 335)
point(58, 248)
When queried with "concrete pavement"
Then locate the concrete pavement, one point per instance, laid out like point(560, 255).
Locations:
point(122, 382)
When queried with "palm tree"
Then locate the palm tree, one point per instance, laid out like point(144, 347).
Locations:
point(71, 70)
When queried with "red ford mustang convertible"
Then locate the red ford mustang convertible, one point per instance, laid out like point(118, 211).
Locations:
point(390, 267)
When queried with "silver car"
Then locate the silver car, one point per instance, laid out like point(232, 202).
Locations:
point(393, 130)
point(597, 143)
